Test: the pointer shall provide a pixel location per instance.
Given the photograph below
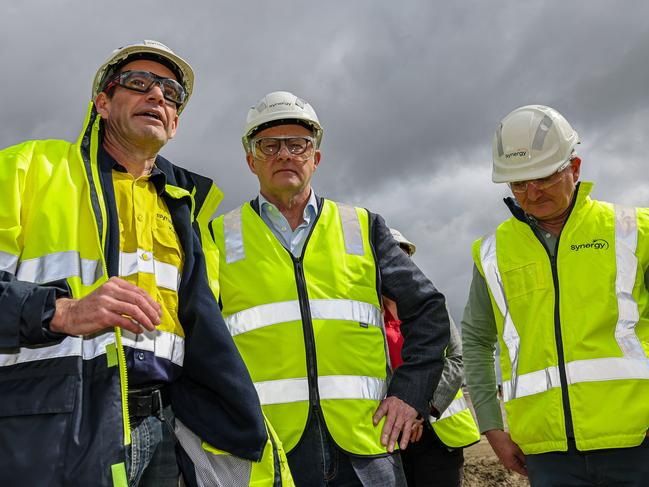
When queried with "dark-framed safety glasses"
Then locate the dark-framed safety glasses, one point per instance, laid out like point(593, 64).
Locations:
point(143, 81)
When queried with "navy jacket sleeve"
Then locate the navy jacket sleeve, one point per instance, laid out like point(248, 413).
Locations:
point(424, 319)
point(26, 311)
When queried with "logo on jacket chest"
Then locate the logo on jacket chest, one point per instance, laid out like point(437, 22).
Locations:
point(596, 244)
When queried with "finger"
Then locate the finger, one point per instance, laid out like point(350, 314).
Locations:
point(379, 413)
point(131, 312)
point(405, 435)
point(126, 323)
point(397, 428)
point(387, 429)
point(132, 289)
point(137, 300)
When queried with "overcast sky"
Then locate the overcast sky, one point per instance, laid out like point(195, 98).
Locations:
point(409, 94)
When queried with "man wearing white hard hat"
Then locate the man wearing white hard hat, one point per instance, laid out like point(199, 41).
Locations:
point(562, 285)
point(109, 325)
point(301, 279)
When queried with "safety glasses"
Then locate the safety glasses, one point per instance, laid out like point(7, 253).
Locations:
point(267, 147)
point(143, 81)
point(541, 184)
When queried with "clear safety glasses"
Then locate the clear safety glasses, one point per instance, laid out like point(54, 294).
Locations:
point(540, 183)
point(268, 147)
point(143, 81)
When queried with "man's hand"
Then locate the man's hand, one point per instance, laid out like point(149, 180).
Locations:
point(399, 419)
point(417, 430)
point(114, 303)
point(507, 451)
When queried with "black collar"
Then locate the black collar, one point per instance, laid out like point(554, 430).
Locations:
point(157, 177)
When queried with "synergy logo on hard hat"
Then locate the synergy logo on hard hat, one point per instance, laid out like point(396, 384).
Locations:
point(518, 153)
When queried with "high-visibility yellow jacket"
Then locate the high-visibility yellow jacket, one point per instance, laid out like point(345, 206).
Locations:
point(573, 329)
point(456, 427)
point(63, 413)
point(309, 328)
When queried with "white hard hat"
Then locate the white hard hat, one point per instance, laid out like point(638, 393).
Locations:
point(278, 108)
point(401, 240)
point(147, 49)
point(531, 142)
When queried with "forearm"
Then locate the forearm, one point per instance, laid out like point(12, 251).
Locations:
point(453, 373)
point(479, 335)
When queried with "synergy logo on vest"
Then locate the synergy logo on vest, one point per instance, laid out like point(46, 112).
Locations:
point(596, 244)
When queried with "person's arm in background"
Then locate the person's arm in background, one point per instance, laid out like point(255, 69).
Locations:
point(452, 375)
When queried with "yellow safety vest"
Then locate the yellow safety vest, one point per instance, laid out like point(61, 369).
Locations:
point(310, 329)
point(456, 427)
point(574, 326)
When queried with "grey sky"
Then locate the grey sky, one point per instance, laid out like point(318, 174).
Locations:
point(409, 94)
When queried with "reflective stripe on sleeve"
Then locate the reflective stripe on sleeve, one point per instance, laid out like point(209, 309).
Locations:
point(330, 387)
point(142, 261)
point(8, 262)
point(351, 227)
point(163, 344)
point(233, 236)
point(457, 406)
point(71, 346)
point(321, 309)
point(60, 265)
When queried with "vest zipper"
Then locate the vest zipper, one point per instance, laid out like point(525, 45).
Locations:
point(570, 433)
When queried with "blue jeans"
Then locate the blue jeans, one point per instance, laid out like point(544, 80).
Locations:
point(317, 462)
point(151, 459)
point(620, 467)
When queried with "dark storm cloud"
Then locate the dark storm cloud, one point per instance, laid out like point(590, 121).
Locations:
point(409, 95)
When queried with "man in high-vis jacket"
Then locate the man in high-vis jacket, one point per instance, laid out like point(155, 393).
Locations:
point(109, 327)
point(563, 285)
point(300, 281)
point(435, 458)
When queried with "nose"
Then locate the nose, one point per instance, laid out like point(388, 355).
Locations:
point(283, 153)
point(533, 192)
point(155, 93)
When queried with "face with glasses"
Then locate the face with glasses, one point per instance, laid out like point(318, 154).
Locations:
point(142, 109)
point(546, 198)
point(284, 159)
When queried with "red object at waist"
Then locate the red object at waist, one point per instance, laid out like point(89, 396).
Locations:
point(394, 337)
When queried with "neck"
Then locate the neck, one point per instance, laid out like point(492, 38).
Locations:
point(138, 161)
point(555, 224)
point(291, 205)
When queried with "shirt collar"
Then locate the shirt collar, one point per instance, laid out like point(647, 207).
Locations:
point(156, 176)
point(310, 209)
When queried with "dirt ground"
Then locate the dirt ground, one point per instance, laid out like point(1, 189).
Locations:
point(482, 469)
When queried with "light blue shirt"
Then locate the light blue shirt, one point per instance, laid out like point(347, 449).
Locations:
point(292, 240)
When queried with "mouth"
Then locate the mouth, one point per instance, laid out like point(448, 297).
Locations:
point(150, 114)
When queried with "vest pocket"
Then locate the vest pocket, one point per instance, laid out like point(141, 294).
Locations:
point(523, 280)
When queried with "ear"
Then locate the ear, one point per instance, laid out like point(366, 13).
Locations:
point(102, 105)
point(251, 163)
point(576, 168)
point(316, 158)
point(174, 127)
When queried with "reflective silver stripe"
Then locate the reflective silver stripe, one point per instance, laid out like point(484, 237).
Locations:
point(8, 262)
point(60, 265)
point(321, 309)
point(532, 383)
point(494, 280)
point(457, 406)
point(233, 236)
point(626, 261)
point(602, 369)
point(71, 346)
point(163, 344)
point(351, 226)
point(330, 387)
point(541, 133)
point(142, 261)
